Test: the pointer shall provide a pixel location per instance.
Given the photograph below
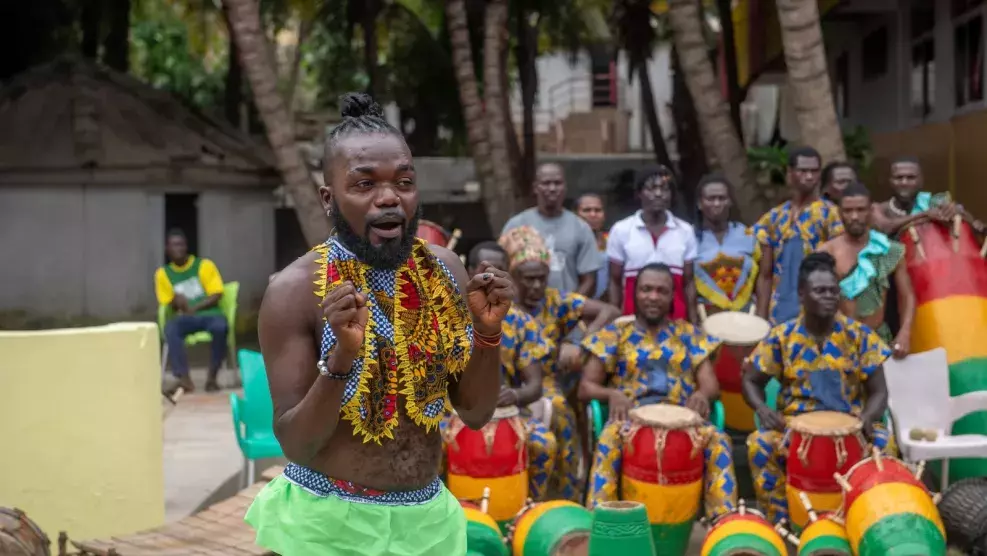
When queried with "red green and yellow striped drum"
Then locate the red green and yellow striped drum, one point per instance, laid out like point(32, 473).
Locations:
point(951, 312)
point(825, 536)
point(483, 536)
point(663, 469)
point(743, 531)
point(495, 456)
point(889, 512)
point(740, 333)
point(556, 528)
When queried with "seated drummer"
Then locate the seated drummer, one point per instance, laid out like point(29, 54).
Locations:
point(825, 361)
point(524, 351)
point(647, 360)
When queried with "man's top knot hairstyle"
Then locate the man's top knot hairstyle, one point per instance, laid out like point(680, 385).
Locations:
point(358, 105)
point(814, 262)
point(361, 114)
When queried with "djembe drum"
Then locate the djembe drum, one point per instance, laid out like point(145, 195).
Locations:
point(740, 333)
point(821, 443)
point(432, 233)
point(495, 456)
point(482, 532)
point(663, 469)
point(555, 528)
point(19, 536)
point(743, 531)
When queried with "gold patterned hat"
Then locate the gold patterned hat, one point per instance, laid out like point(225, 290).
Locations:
point(524, 244)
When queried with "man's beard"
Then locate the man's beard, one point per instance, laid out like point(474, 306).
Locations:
point(388, 255)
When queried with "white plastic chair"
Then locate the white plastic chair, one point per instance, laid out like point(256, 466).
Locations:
point(541, 409)
point(918, 395)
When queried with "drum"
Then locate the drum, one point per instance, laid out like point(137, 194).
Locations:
point(495, 456)
point(821, 443)
point(950, 281)
point(556, 528)
point(432, 233)
point(743, 531)
point(889, 512)
point(826, 536)
point(740, 333)
point(663, 469)
point(482, 533)
point(19, 536)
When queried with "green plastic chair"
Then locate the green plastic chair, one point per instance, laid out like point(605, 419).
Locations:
point(599, 411)
point(227, 304)
point(253, 414)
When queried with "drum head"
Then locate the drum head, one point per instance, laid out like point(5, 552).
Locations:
point(737, 328)
point(666, 416)
point(506, 412)
point(825, 423)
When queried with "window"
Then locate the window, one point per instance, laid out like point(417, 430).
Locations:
point(875, 54)
point(923, 89)
point(968, 50)
point(842, 88)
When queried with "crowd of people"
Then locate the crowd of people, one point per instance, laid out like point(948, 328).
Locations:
point(400, 333)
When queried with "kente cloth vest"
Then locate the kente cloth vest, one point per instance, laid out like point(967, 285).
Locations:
point(419, 333)
point(186, 282)
point(725, 273)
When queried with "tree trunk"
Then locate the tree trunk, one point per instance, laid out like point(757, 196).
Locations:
point(116, 43)
point(514, 153)
point(692, 155)
point(734, 94)
point(719, 135)
point(499, 198)
point(304, 28)
point(90, 22)
point(651, 111)
point(254, 57)
point(233, 87)
point(469, 96)
point(369, 24)
point(526, 53)
point(812, 93)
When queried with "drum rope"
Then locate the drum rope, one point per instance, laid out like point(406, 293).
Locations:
point(841, 451)
point(803, 451)
point(660, 436)
point(522, 440)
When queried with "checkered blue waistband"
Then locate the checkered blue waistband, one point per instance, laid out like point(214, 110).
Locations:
point(320, 485)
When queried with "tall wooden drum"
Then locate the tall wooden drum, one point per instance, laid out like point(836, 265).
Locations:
point(822, 443)
point(740, 333)
point(663, 469)
point(743, 532)
point(432, 233)
point(495, 456)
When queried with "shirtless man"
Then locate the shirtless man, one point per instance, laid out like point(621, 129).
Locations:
point(361, 380)
point(865, 260)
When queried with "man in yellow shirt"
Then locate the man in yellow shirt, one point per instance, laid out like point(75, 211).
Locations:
point(192, 287)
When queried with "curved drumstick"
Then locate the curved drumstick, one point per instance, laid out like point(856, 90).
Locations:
point(701, 309)
point(913, 233)
point(807, 504)
point(456, 234)
point(485, 501)
point(957, 226)
point(785, 533)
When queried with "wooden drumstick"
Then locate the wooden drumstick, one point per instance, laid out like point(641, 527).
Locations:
point(786, 534)
point(919, 470)
point(753, 309)
point(807, 504)
point(957, 226)
point(485, 501)
point(456, 234)
point(877, 458)
point(701, 309)
point(983, 249)
point(936, 498)
point(913, 233)
point(841, 480)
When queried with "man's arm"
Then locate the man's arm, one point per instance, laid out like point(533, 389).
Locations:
point(591, 385)
point(891, 225)
point(615, 288)
point(752, 386)
point(212, 283)
point(906, 299)
point(706, 380)
point(877, 397)
point(474, 393)
point(689, 285)
point(162, 288)
point(598, 314)
point(531, 387)
point(306, 405)
point(587, 259)
point(764, 279)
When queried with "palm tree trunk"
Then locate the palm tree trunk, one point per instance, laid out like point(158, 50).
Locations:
point(688, 138)
point(369, 24)
point(720, 138)
point(304, 28)
point(469, 96)
point(499, 198)
point(734, 94)
point(116, 43)
point(252, 45)
point(812, 93)
point(90, 19)
point(526, 53)
point(233, 86)
point(651, 111)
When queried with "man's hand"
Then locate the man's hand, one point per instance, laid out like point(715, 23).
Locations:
point(489, 295)
point(347, 313)
point(507, 397)
point(620, 406)
point(868, 430)
point(944, 212)
point(771, 419)
point(181, 304)
point(699, 403)
point(901, 345)
point(569, 356)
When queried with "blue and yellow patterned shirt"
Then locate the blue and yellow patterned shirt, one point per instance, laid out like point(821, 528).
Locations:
point(814, 378)
point(560, 314)
point(522, 344)
point(652, 369)
point(817, 223)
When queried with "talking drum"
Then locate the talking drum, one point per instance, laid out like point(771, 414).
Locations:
point(19, 536)
point(740, 333)
point(483, 536)
point(432, 233)
point(821, 443)
point(663, 469)
point(889, 512)
point(556, 528)
point(743, 531)
point(495, 456)
point(825, 536)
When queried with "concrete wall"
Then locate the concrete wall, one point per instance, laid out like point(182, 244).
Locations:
point(90, 252)
point(80, 419)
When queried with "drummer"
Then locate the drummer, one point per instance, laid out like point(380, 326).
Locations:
point(524, 351)
point(726, 269)
point(653, 359)
point(559, 314)
point(824, 361)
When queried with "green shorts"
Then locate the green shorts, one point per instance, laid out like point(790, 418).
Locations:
point(305, 513)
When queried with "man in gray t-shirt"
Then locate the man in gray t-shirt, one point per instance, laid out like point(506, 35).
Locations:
point(575, 260)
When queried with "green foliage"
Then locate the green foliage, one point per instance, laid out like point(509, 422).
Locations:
point(770, 162)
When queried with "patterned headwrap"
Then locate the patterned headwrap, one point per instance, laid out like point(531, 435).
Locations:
point(524, 244)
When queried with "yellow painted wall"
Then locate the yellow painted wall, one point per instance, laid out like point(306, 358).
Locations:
point(80, 429)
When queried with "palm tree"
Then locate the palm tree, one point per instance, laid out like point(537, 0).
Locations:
point(253, 47)
point(720, 138)
point(812, 93)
